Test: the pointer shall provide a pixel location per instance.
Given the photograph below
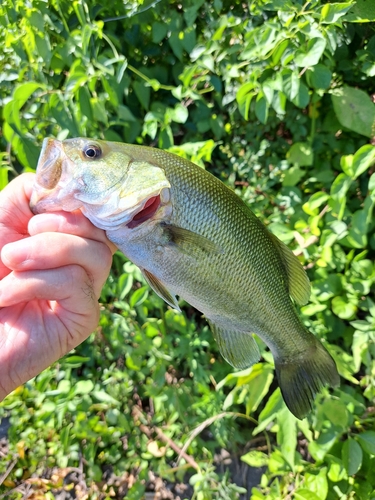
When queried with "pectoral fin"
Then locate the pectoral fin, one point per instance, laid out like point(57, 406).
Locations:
point(298, 282)
point(160, 289)
point(239, 349)
point(186, 239)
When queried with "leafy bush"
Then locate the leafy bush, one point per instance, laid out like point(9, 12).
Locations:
point(275, 98)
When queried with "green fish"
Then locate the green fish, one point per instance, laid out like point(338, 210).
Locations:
point(193, 237)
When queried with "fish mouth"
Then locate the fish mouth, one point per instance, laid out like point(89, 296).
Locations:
point(146, 212)
point(49, 167)
point(48, 174)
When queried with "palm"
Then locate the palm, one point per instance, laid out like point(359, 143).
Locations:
point(49, 285)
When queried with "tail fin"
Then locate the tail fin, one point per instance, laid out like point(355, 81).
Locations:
point(301, 379)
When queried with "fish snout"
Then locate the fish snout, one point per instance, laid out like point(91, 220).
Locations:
point(48, 174)
point(49, 168)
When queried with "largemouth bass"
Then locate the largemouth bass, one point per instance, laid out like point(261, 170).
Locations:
point(193, 237)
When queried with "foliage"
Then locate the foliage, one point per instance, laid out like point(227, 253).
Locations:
point(274, 97)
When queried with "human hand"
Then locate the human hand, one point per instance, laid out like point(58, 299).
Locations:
point(52, 269)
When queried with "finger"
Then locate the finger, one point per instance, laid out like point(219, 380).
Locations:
point(55, 250)
point(68, 222)
point(70, 286)
point(14, 212)
point(14, 202)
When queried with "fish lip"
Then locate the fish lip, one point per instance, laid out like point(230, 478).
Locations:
point(49, 168)
point(47, 177)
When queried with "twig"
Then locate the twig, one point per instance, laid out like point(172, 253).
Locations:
point(168, 441)
point(208, 422)
point(8, 471)
point(181, 453)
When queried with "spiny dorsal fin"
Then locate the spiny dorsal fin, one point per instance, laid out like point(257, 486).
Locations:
point(239, 349)
point(160, 289)
point(298, 281)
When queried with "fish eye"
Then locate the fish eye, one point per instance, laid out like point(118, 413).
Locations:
point(92, 151)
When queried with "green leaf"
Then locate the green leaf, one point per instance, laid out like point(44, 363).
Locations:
point(321, 446)
point(367, 441)
point(317, 483)
point(362, 160)
point(76, 361)
point(139, 296)
point(362, 11)
point(319, 77)
point(315, 202)
point(291, 84)
point(179, 114)
point(255, 458)
point(340, 186)
point(336, 412)
point(259, 381)
point(312, 309)
point(27, 152)
point(351, 456)
point(274, 405)
point(261, 108)
point(104, 397)
point(136, 491)
point(355, 110)
point(332, 12)
point(125, 114)
point(60, 111)
point(312, 55)
point(12, 108)
point(143, 94)
point(83, 387)
point(344, 362)
point(175, 44)
point(357, 236)
point(293, 175)
point(301, 154)
point(336, 471)
point(159, 31)
point(360, 346)
point(303, 97)
point(243, 97)
point(305, 494)
point(287, 436)
point(84, 102)
point(343, 308)
point(23, 93)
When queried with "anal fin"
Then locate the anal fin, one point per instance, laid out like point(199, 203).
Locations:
point(239, 349)
point(160, 289)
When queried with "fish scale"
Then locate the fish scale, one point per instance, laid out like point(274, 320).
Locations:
point(202, 243)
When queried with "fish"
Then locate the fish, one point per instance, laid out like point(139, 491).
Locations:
point(192, 237)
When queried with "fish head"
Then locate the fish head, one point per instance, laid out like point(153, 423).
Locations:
point(103, 179)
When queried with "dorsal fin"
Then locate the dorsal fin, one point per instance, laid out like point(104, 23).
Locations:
point(298, 281)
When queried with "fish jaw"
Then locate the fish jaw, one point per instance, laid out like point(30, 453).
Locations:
point(52, 176)
point(112, 191)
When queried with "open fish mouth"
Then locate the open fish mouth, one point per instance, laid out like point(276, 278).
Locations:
point(147, 212)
